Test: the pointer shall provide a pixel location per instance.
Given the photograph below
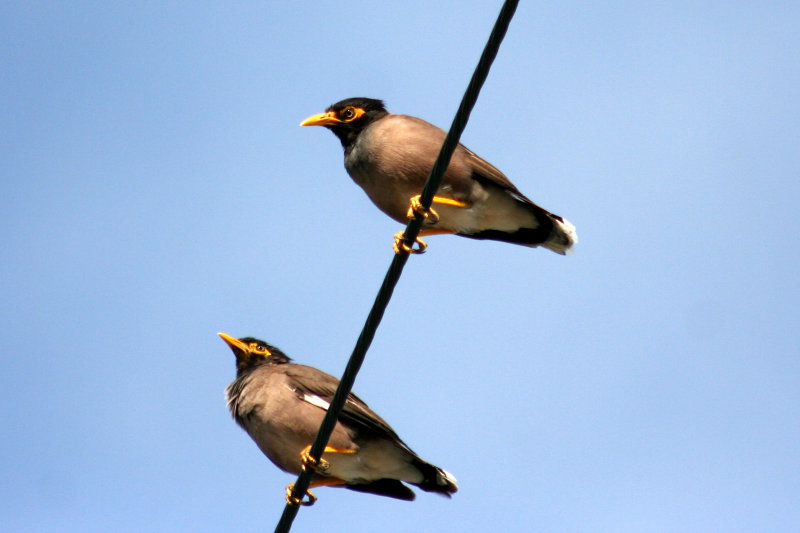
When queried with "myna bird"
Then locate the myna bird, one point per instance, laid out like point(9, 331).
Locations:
point(281, 406)
point(390, 157)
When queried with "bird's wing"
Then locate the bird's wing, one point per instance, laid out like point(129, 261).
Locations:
point(317, 388)
point(422, 142)
point(484, 171)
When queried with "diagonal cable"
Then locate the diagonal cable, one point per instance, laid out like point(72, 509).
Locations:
point(399, 261)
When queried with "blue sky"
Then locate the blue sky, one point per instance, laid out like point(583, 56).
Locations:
point(156, 189)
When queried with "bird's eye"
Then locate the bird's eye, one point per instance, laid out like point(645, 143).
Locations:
point(348, 113)
point(261, 348)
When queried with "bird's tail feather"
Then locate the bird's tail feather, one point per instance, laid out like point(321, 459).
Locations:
point(552, 232)
point(392, 488)
point(563, 236)
point(436, 479)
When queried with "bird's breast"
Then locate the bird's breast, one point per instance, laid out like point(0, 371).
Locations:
point(267, 405)
point(388, 179)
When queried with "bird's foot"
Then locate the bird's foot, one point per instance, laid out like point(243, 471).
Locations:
point(320, 466)
point(291, 499)
point(430, 215)
point(400, 246)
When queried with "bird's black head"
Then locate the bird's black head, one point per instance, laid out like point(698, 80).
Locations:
point(348, 118)
point(251, 352)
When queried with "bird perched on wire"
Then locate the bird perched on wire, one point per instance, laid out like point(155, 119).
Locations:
point(281, 406)
point(390, 157)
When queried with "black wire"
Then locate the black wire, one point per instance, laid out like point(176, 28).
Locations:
point(399, 261)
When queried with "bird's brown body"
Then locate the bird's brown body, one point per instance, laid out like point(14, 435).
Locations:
point(488, 205)
point(390, 157)
point(281, 406)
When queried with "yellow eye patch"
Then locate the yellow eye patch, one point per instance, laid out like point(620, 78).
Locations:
point(350, 113)
point(258, 349)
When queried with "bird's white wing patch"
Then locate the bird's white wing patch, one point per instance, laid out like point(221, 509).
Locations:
point(313, 399)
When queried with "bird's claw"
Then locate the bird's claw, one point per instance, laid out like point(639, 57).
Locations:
point(430, 215)
point(320, 466)
point(400, 246)
point(291, 499)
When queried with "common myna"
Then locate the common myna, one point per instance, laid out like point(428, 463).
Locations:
point(281, 406)
point(390, 157)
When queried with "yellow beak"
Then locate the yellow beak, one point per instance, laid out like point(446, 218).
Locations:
point(322, 119)
point(234, 343)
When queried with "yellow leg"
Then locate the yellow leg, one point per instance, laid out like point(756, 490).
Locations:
point(291, 499)
point(401, 247)
point(326, 482)
point(448, 201)
point(430, 214)
point(427, 232)
point(321, 466)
